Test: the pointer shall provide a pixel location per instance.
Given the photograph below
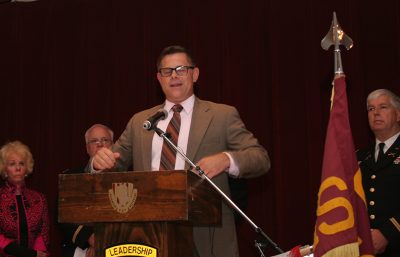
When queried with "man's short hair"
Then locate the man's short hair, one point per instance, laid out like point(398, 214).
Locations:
point(175, 49)
point(394, 99)
point(101, 126)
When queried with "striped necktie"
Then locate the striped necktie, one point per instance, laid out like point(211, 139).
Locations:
point(168, 154)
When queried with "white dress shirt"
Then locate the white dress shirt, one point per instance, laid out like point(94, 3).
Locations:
point(186, 120)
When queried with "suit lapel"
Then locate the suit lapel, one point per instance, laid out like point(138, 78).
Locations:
point(147, 140)
point(201, 119)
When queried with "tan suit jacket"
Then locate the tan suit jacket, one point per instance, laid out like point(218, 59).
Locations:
point(214, 128)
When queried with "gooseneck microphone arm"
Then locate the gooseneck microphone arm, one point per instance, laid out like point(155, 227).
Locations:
point(257, 229)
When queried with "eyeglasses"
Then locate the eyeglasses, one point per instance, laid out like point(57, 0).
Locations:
point(180, 70)
point(99, 141)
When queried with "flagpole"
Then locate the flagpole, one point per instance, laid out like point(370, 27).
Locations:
point(341, 184)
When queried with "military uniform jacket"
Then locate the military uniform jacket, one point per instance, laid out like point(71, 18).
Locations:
point(381, 184)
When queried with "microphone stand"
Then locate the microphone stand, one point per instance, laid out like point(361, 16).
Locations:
point(258, 230)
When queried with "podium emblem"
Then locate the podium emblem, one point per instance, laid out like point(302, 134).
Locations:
point(122, 196)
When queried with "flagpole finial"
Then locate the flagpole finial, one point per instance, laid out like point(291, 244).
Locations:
point(336, 37)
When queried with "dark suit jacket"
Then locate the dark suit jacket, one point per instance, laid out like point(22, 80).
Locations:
point(74, 235)
point(215, 128)
point(382, 189)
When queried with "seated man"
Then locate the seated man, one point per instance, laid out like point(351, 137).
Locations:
point(79, 239)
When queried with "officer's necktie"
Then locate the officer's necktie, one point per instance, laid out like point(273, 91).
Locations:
point(380, 153)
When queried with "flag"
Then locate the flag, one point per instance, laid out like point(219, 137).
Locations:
point(342, 225)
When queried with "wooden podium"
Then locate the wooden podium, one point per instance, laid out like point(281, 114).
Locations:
point(140, 213)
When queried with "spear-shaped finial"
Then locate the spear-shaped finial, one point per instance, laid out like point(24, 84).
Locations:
point(336, 37)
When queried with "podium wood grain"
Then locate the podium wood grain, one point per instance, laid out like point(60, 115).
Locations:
point(168, 204)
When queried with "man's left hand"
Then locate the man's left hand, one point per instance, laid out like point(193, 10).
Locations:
point(214, 164)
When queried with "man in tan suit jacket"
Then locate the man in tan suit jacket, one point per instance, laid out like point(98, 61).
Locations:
point(212, 135)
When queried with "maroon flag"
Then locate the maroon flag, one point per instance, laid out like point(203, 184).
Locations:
point(342, 226)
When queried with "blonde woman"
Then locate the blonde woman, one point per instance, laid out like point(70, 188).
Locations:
point(24, 222)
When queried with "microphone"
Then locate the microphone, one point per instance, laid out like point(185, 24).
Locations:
point(150, 123)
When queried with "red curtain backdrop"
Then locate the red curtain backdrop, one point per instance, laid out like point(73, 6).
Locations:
point(67, 64)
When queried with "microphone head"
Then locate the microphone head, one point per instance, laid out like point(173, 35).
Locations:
point(147, 125)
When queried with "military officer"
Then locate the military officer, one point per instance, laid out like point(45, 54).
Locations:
point(380, 167)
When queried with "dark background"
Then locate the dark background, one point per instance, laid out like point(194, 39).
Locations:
point(66, 64)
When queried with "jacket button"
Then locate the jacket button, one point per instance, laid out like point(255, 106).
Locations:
point(372, 216)
point(372, 189)
point(371, 203)
point(373, 176)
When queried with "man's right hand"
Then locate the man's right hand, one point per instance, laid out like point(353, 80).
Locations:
point(105, 159)
point(90, 252)
point(41, 254)
point(379, 241)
